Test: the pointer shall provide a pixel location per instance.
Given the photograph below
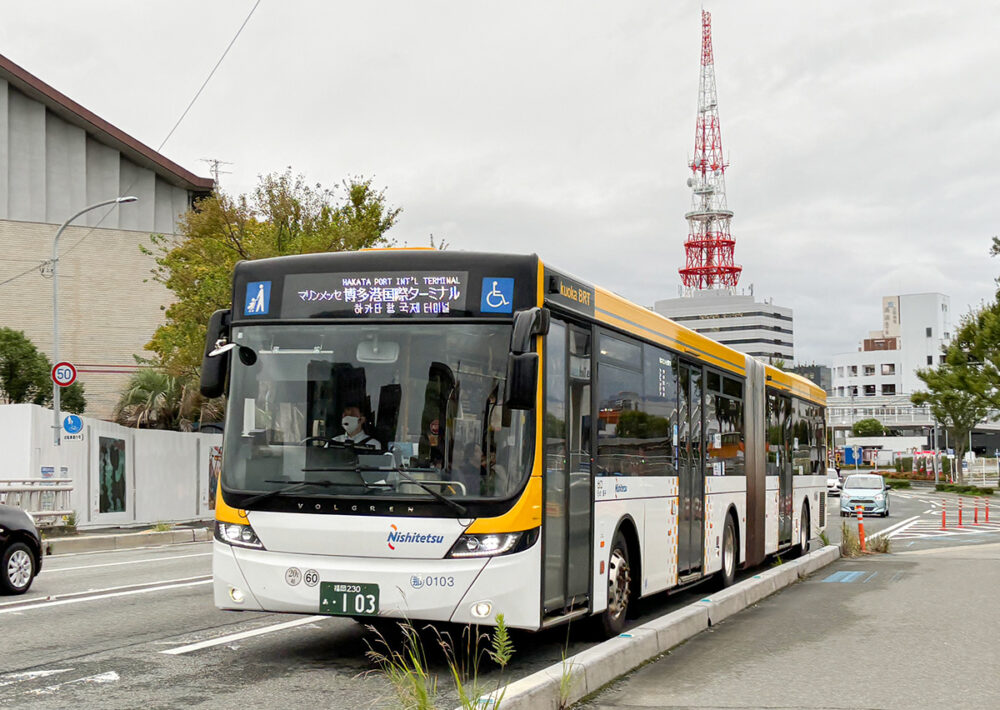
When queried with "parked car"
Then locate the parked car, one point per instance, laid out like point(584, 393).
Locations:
point(867, 490)
point(20, 550)
point(833, 482)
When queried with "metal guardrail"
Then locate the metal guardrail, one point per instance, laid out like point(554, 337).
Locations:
point(47, 499)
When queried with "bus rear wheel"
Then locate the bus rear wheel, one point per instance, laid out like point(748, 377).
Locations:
point(619, 588)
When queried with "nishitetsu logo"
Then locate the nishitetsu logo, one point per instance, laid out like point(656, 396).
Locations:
point(395, 536)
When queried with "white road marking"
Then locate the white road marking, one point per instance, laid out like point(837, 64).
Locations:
point(242, 635)
point(12, 678)
point(130, 562)
point(70, 595)
point(100, 678)
point(889, 529)
point(903, 529)
point(60, 555)
point(166, 584)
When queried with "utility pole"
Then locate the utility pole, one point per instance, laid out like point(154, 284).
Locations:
point(214, 164)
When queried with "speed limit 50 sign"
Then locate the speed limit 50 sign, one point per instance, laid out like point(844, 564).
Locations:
point(64, 374)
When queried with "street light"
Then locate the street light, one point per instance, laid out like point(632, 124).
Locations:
point(56, 427)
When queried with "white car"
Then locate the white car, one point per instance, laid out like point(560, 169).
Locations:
point(833, 482)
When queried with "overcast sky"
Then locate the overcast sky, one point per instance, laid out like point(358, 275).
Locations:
point(863, 138)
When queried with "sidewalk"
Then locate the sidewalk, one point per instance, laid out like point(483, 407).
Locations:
point(888, 631)
point(103, 539)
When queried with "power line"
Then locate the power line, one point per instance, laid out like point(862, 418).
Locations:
point(162, 143)
point(36, 267)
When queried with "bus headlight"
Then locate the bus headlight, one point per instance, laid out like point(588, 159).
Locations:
point(238, 535)
point(492, 544)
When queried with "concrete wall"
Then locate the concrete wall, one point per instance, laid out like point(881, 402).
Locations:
point(165, 473)
point(51, 168)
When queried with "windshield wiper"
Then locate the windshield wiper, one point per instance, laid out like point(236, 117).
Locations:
point(457, 507)
point(302, 484)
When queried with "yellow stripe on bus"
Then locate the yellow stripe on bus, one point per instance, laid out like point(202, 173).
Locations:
point(526, 514)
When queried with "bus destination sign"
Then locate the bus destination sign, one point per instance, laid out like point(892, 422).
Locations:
point(375, 294)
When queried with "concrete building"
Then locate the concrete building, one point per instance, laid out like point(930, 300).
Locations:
point(56, 158)
point(757, 328)
point(877, 380)
point(916, 328)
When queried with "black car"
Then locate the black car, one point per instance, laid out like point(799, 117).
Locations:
point(20, 550)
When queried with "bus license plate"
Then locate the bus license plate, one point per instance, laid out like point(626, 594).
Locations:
point(348, 598)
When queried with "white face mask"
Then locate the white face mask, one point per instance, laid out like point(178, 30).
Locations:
point(350, 424)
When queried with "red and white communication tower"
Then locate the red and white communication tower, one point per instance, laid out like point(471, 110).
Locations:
point(709, 247)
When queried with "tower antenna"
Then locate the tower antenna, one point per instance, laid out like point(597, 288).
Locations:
point(709, 246)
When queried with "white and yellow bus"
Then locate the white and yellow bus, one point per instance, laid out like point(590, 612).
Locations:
point(445, 436)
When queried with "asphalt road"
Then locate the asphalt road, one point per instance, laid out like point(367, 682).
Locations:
point(135, 628)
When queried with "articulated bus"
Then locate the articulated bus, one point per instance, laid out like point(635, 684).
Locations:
point(445, 436)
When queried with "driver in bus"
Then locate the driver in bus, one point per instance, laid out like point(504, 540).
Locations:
point(353, 422)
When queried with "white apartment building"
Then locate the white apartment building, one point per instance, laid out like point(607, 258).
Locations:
point(915, 330)
point(757, 328)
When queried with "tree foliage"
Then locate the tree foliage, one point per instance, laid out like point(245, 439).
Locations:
point(868, 427)
point(642, 425)
point(284, 215)
point(156, 399)
point(26, 375)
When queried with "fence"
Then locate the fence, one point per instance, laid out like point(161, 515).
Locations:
point(119, 476)
point(46, 499)
point(983, 472)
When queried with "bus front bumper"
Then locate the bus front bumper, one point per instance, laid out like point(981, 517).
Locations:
point(467, 591)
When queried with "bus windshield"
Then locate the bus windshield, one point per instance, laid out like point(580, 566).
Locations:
point(398, 410)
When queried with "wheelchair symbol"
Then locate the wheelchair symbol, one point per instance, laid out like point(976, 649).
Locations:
point(498, 292)
point(496, 299)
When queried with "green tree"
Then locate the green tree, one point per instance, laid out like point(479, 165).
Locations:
point(284, 215)
point(156, 399)
point(975, 354)
point(641, 425)
point(25, 375)
point(952, 404)
point(868, 427)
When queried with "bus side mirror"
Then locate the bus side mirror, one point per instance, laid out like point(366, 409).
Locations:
point(214, 368)
point(528, 323)
point(522, 380)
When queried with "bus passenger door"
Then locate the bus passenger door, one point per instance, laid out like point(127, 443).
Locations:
point(691, 517)
point(566, 518)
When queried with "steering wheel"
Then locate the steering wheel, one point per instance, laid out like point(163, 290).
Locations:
point(324, 439)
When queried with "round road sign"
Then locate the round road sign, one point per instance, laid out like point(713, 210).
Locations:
point(64, 374)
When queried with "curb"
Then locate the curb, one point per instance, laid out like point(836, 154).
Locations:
point(125, 541)
point(592, 669)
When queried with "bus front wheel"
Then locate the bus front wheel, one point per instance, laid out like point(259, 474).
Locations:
point(619, 587)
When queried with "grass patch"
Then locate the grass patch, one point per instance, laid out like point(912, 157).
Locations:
point(162, 527)
point(849, 544)
point(408, 671)
point(824, 538)
point(959, 488)
point(881, 544)
point(896, 484)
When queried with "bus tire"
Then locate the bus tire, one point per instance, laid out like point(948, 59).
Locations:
point(619, 587)
point(803, 545)
point(727, 575)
